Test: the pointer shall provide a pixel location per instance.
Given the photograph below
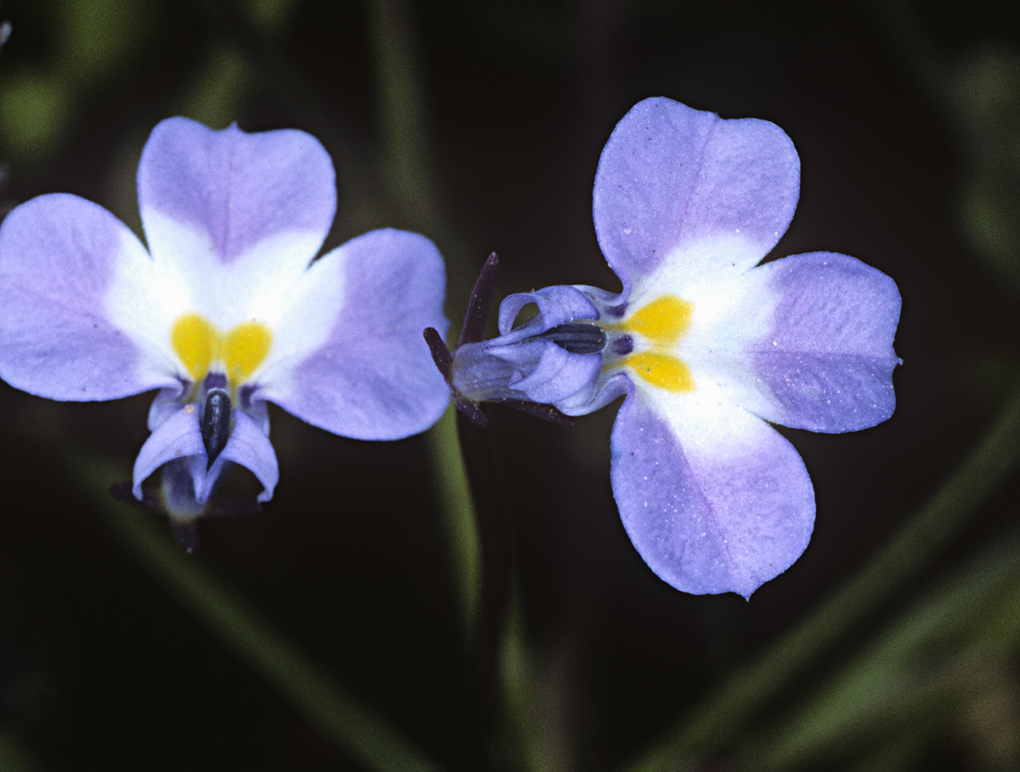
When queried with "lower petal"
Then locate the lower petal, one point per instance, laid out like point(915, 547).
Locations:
point(559, 375)
point(178, 436)
point(250, 447)
point(713, 498)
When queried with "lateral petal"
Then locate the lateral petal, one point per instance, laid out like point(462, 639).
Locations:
point(828, 357)
point(370, 375)
point(686, 187)
point(59, 255)
point(713, 498)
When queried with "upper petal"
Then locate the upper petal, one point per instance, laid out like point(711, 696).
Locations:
point(59, 255)
point(686, 186)
point(371, 375)
point(828, 357)
point(233, 190)
point(714, 499)
point(557, 305)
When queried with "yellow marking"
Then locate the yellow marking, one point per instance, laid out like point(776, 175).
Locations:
point(662, 370)
point(661, 324)
point(244, 348)
point(663, 321)
point(199, 344)
point(196, 343)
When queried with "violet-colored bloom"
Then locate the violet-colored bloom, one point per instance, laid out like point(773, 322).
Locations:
point(225, 311)
point(706, 347)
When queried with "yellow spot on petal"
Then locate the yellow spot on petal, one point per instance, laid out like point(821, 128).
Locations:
point(662, 370)
point(663, 321)
point(196, 342)
point(661, 325)
point(244, 349)
point(200, 346)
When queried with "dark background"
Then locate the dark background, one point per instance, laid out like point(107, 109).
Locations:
point(907, 121)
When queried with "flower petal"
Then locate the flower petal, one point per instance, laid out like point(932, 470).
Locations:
point(250, 447)
point(672, 179)
point(828, 358)
point(233, 189)
point(179, 436)
point(557, 305)
point(58, 257)
point(713, 498)
point(372, 376)
point(557, 375)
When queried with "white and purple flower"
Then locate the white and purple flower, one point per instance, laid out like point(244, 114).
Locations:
point(706, 347)
point(225, 311)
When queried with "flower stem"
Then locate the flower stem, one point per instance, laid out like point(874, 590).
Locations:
point(402, 108)
point(327, 706)
point(714, 725)
point(495, 539)
point(454, 494)
point(407, 159)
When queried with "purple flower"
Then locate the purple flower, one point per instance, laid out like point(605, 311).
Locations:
point(225, 311)
point(706, 347)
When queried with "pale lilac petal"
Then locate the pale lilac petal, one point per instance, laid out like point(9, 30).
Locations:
point(373, 378)
point(238, 189)
point(58, 256)
point(713, 498)
point(180, 479)
point(685, 185)
point(178, 436)
point(559, 375)
point(519, 366)
point(250, 447)
point(166, 404)
point(608, 389)
point(556, 305)
point(829, 356)
point(535, 370)
point(481, 376)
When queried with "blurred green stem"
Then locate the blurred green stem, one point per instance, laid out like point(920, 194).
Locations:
point(456, 503)
point(921, 677)
point(401, 107)
point(713, 726)
point(477, 520)
point(406, 158)
point(335, 713)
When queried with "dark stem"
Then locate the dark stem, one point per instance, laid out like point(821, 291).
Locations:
point(495, 538)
